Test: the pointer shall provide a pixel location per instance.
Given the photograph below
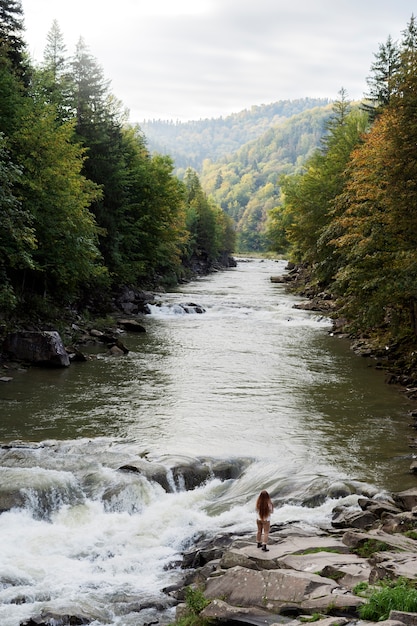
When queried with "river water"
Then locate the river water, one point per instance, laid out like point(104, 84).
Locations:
point(251, 382)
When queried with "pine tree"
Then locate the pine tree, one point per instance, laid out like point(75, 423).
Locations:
point(12, 45)
point(381, 82)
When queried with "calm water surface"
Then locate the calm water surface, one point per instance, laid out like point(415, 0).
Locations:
point(251, 380)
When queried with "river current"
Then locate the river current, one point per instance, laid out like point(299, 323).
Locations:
point(252, 381)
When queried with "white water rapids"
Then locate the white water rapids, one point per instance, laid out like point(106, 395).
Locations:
point(252, 382)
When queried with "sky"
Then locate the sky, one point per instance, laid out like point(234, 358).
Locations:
point(194, 59)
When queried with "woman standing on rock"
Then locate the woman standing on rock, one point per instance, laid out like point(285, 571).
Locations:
point(264, 508)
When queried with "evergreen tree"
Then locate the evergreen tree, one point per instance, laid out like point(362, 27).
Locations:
point(53, 81)
point(12, 44)
point(99, 128)
point(381, 82)
point(17, 237)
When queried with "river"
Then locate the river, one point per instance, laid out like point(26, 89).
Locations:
point(251, 381)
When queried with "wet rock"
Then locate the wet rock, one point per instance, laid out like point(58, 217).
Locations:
point(152, 471)
point(190, 476)
point(346, 518)
point(207, 551)
point(378, 507)
point(190, 307)
point(406, 499)
point(115, 351)
point(42, 348)
point(132, 326)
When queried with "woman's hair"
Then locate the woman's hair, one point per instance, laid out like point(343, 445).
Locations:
point(263, 505)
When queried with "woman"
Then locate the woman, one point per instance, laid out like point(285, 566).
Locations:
point(264, 508)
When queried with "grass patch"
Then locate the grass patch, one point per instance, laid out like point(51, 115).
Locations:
point(362, 589)
point(369, 547)
point(400, 595)
point(315, 617)
point(315, 550)
point(411, 534)
point(195, 602)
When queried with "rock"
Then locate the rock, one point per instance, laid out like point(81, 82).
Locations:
point(377, 540)
point(132, 326)
point(152, 471)
point(278, 279)
point(115, 351)
point(44, 348)
point(232, 558)
point(378, 507)
point(75, 355)
point(207, 551)
point(275, 590)
point(190, 307)
point(399, 523)
point(346, 518)
point(407, 500)
point(96, 333)
point(221, 611)
point(392, 565)
point(410, 619)
point(346, 569)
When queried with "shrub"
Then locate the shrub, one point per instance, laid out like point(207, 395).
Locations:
point(400, 595)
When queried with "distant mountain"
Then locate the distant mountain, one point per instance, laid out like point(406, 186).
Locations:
point(190, 143)
point(246, 184)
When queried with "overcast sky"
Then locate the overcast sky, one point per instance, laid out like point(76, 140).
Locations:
point(192, 59)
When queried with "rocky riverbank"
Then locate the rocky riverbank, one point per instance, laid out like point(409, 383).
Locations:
point(307, 574)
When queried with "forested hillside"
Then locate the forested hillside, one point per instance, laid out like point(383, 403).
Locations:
point(350, 217)
point(246, 184)
point(85, 208)
point(190, 143)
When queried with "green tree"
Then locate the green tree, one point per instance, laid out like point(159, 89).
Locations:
point(99, 128)
point(381, 82)
point(309, 196)
point(17, 238)
point(152, 231)
point(12, 45)
point(58, 197)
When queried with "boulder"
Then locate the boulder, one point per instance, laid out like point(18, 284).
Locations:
point(224, 612)
point(347, 569)
point(392, 565)
point(132, 326)
point(278, 590)
point(377, 541)
point(346, 518)
point(406, 500)
point(409, 619)
point(43, 348)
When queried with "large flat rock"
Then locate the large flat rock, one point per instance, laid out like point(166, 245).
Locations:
point(274, 590)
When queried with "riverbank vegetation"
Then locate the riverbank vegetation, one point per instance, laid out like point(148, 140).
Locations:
point(349, 219)
point(85, 207)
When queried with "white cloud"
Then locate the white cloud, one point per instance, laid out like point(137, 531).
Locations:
point(187, 59)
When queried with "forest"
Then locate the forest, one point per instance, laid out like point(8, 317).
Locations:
point(85, 207)
point(191, 143)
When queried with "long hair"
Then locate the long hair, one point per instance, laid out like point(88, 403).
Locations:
point(263, 505)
